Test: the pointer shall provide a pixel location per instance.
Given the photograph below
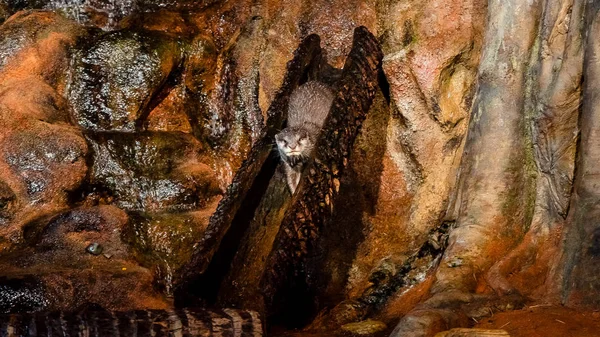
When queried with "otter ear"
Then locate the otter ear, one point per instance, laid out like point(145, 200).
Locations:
point(278, 137)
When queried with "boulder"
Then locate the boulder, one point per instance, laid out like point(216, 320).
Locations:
point(165, 241)
point(37, 43)
point(152, 171)
point(46, 159)
point(56, 272)
point(118, 77)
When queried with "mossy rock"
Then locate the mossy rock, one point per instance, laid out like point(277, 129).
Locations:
point(164, 241)
point(152, 171)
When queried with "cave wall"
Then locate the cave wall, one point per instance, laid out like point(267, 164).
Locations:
point(216, 72)
point(125, 125)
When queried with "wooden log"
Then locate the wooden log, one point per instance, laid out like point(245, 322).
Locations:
point(139, 323)
point(240, 288)
point(235, 200)
point(285, 283)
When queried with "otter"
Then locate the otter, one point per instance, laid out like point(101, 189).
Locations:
point(308, 107)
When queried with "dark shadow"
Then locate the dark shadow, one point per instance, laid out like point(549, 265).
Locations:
point(359, 190)
point(207, 285)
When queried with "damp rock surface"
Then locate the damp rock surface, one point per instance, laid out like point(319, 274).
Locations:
point(65, 275)
point(124, 123)
point(152, 171)
point(38, 42)
point(164, 242)
point(116, 78)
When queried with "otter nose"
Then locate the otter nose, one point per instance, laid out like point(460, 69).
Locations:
point(292, 146)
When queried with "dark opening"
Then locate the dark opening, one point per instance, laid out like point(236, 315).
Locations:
point(207, 285)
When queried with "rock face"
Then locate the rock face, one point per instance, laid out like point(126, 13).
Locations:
point(43, 156)
point(158, 114)
point(123, 124)
point(116, 78)
point(152, 171)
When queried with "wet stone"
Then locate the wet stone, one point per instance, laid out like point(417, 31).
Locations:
point(364, 328)
point(164, 241)
point(71, 233)
point(27, 28)
point(170, 115)
point(8, 201)
point(208, 112)
point(66, 276)
point(152, 171)
point(22, 295)
point(462, 332)
point(48, 159)
point(103, 13)
point(4, 13)
point(169, 22)
point(119, 77)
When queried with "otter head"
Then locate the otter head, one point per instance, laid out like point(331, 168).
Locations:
point(294, 144)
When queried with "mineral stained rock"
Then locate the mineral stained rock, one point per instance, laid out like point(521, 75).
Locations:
point(124, 123)
point(116, 77)
point(152, 171)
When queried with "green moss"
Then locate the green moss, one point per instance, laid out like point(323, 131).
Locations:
point(162, 242)
point(409, 37)
point(520, 201)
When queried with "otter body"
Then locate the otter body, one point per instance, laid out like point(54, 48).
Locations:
point(308, 108)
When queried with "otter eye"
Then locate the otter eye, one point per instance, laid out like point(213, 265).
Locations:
point(285, 143)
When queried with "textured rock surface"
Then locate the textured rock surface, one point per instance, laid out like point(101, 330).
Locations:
point(128, 138)
point(57, 270)
point(116, 77)
point(43, 156)
point(151, 171)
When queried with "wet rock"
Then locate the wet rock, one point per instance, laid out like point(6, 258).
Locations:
point(175, 4)
point(186, 107)
point(411, 141)
point(200, 65)
point(106, 14)
point(473, 333)
point(118, 78)
point(223, 22)
point(117, 285)
point(30, 97)
point(4, 13)
point(8, 201)
point(56, 257)
point(169, 22)
point(22, 295)
point(223, 96)
point(152, 171)
point(42, 157)
point(170, 114)
point(335, 25)
point(33, 42)
point(47, 160)
point(364, 328)
point(207, 82)
point(164, 241)
point(72, 232)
